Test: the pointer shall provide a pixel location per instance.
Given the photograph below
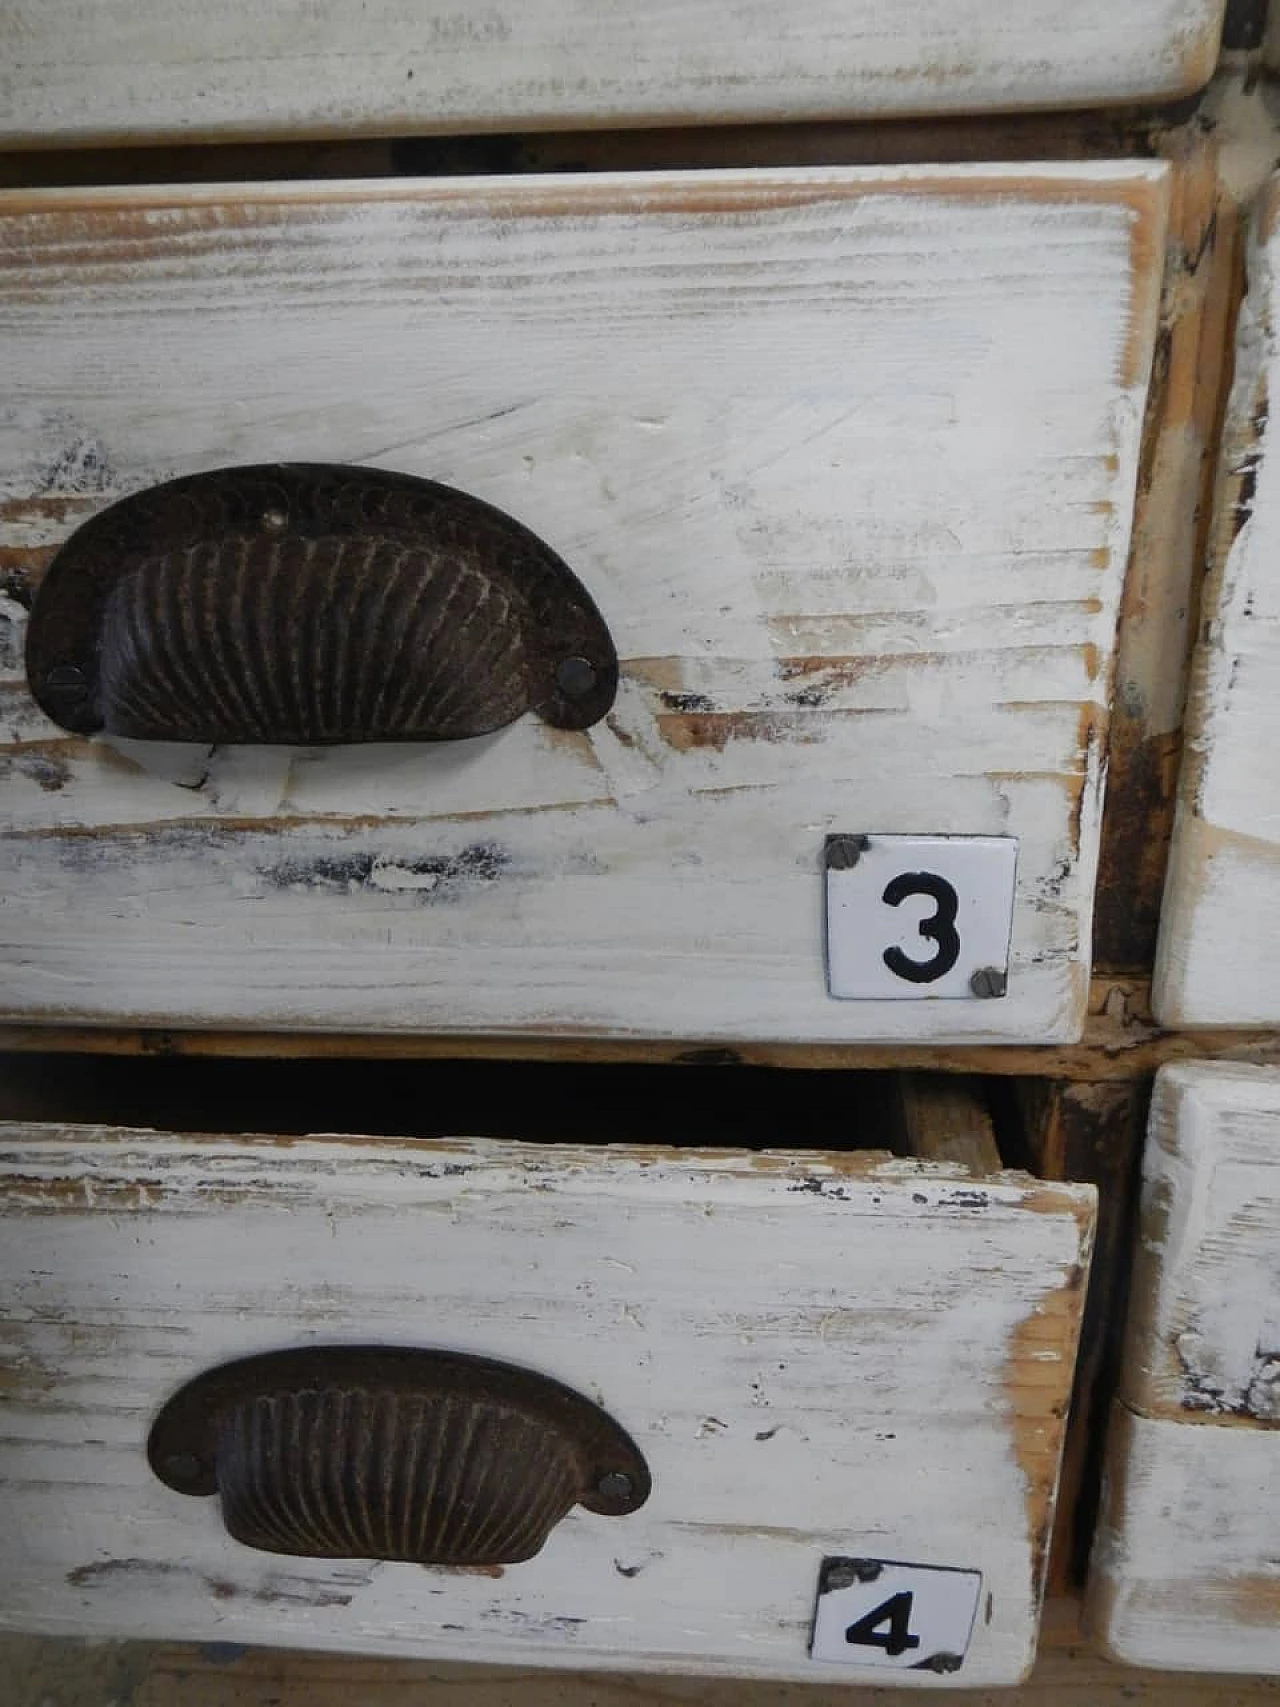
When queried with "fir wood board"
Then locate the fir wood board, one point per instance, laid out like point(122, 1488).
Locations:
point(1216, 964)
point(95, 71)
point(816, 1353)
point(848, 459)
point(1186, 1568)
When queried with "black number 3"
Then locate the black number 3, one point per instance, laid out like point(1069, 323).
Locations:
point(941, 928)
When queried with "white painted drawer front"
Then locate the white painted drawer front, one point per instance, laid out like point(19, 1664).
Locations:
point(74, 71)
point(817, 1356)
point(1185, 1570)
point(847, 459)
point(1217, 962)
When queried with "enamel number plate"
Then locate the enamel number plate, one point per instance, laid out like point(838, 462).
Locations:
point(919, 918)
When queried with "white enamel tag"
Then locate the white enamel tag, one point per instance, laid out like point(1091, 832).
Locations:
point(919, 918)
point(879, 1612)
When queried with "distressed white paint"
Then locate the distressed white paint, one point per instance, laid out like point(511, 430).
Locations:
point(125, 70)
point(1186, 1569)
point(1205, 1329)
point(817, 1355)
point(847, 458)
point(1217, 962)
point(1185, 1573)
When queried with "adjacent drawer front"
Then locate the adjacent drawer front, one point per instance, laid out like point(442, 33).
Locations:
point(80, 71)
point(817, 1357)
point(847, 460)
point(1185, 1574)
point(1217, 962)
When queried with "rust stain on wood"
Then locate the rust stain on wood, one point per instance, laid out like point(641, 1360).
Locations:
point(1190, 378)
point(685, 731)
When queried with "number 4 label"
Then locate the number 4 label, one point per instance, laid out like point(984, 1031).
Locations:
point(878, 1612)
point(912, 918)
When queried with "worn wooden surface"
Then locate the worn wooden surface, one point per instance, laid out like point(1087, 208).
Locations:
point(1204, 1323)
point(45, 1673)
point(1161, 591)
point(1185, 1575)
point(1065, 1130)
point(1121, 1041)
point(1217, 963)
point(775, 1330)
point(847, 459)
point(946, 1119)
point(79, 71)
point(1185, 1568)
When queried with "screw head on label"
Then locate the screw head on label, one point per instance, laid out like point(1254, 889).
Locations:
point(989, 981)
point(842, 853)
point(844, 1573)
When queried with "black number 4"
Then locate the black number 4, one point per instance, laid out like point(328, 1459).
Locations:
point(941, 928)
point(896, 1613)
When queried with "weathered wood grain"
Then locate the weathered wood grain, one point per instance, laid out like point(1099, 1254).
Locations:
point(946, 1120)
point(1092, 1132)
point(1171, 520)
point(776, 1330)
point(1121, 1043)
point(1185, 1573)
point(1216, 963)
point(847, 458)
point(78, 71)
point(1185, 1570)
point(1204, 1321)
point(103, 1674)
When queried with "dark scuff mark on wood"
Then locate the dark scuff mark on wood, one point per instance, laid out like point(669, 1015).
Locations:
point(685, 703)
point(1247, 469)
point(275, 1591)
point(16, 573)
point(430, 877)
point(1139, 821)
point(709, 1058)
point(49, 774)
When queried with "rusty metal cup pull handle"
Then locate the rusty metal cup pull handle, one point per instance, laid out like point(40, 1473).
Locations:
point(377, 1452)
point(313, 604)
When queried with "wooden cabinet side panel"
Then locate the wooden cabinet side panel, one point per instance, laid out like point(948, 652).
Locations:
point(1185, 1572)
point(1215, 962)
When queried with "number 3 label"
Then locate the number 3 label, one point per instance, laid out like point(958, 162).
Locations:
point(913, 918)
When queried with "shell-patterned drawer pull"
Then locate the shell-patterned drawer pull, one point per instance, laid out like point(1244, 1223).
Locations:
point(376, 1452)
point(313, 604)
